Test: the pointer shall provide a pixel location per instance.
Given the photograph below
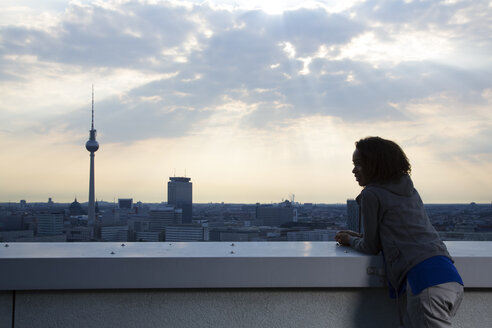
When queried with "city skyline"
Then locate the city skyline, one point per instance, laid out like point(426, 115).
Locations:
point(255, 102)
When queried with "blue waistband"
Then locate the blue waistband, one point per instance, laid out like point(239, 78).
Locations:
point(432, 271)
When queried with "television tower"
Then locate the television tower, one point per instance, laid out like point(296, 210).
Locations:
point(92, 146)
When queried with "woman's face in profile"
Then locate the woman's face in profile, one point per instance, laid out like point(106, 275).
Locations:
point(358, 170)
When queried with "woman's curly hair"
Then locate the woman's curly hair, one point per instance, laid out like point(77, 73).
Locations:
point(382, 160)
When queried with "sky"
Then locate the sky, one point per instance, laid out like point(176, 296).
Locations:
point(255, 101)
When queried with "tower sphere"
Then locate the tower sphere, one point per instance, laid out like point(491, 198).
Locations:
point(92, 145)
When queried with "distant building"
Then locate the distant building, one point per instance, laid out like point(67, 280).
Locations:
point(275, 216)
point(50, 223)
point(468, 236)
point(180, 195)
point(109, 216)
point(312, 235)
point(78, 233)
point(225, 234)
point(76, 209)
point(308, 206)
point(140, 230)
point(139, 224)
point(114, 233)
point(149, 236)
point(124, 211)
point(465, 227)
point(77, 221)
point(15, 235)
point(353, 222)
point(186, 232)
point(125, 203)
point(12, 221)
point(43, 239)
point(163, 216)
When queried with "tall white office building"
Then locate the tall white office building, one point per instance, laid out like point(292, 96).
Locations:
point(50, 223)
point(187, 232)
point(114, 233)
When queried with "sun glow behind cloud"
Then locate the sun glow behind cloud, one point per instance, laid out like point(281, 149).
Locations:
point(406, 46)
point(256, 100)
point(277, 7)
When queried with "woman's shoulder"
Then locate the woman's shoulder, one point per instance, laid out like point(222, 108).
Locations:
point(402, 187)
point(370, 192)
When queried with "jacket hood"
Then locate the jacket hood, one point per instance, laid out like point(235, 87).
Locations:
point(402, 187)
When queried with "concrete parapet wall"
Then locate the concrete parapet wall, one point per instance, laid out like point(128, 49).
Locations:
point(68, 266)
point(190, 308)
point(6, 309)
point(288, 284)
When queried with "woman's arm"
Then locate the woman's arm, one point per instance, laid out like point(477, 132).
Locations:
point(368, 243)
point(351, 233)
point(343, 236)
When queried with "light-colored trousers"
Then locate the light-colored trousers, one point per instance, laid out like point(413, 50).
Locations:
point(434, 307)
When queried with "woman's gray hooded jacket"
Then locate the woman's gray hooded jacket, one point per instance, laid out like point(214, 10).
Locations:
point(395, 222)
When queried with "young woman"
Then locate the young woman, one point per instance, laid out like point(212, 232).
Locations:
point(395, 223)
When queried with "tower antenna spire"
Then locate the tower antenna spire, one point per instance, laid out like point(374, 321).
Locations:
point(92, 125)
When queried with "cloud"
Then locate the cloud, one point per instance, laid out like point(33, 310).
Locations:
point(95, 36)
point(368, 63)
